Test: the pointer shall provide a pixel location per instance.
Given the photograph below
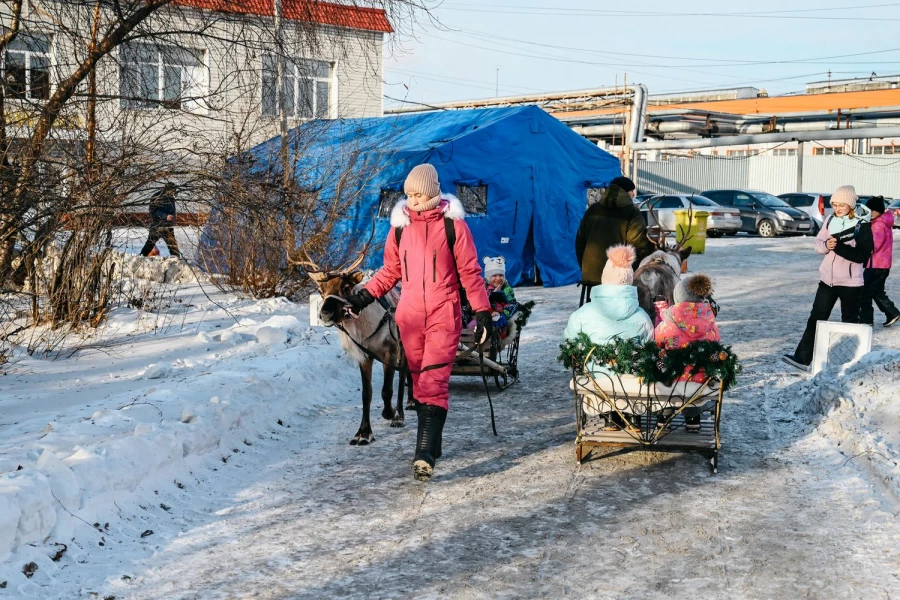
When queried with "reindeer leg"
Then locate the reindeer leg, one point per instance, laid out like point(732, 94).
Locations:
point(411, 403)
point(364, 435)
point(387, 394)
point(401, 387)
point(406, 376)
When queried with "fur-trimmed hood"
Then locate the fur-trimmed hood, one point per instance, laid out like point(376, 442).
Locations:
point(450, 206)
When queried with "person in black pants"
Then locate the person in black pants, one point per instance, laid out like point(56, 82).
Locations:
point(162, 220)
point(846, 241)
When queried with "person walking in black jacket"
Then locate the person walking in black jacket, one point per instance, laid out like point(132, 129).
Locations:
point(162, 220)
point(612, 221)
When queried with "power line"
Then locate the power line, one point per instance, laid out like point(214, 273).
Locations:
point(474, 82)
point(742, 13)
point(723, 62)
point(586, 12)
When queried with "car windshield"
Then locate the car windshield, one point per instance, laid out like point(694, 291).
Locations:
point(770, 200)
point(701, 201)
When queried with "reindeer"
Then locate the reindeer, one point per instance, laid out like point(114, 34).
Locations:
point(659, 273)
point(372, 336)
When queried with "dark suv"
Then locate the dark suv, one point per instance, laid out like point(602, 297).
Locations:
point(763, 213)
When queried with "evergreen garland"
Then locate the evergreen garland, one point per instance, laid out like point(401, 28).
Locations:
point(651, 363)
point(525, 310)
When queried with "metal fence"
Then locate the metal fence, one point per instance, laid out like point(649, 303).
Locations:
point(774, 174)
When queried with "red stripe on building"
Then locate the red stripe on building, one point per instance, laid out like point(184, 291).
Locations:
point(310, 11)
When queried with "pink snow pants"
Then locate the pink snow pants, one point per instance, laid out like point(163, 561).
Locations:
point(430, 344)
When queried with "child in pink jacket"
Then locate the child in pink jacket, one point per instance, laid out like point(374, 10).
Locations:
point(879, 266)
point(690, 319)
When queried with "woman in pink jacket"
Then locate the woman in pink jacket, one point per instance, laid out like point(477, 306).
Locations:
point(879, 267)
point(429, 314)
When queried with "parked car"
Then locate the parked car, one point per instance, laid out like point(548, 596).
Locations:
point(895, 206)
point(817, 206)
point(763, 213)
point(721, 220)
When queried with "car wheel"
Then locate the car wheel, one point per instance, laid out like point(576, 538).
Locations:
point(766, 228)
point(714, 234)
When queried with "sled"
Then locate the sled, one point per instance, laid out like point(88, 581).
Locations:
point(651, 416)
point(500, 356)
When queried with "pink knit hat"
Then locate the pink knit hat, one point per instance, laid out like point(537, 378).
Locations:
point(423, 179)
point(617, 270)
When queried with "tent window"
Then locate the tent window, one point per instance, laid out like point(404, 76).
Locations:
point(594, 194)
point(389, 199)
point(473, 198)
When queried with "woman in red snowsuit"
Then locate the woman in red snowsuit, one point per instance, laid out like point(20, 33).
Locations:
point(429, 315)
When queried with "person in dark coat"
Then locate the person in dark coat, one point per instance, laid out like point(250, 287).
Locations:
point(612, 221)
point(162, 220)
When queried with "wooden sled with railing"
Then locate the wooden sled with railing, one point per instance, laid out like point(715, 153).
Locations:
point(500, 355)
point(624, 412)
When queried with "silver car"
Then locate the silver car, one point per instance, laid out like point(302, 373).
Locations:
point(817, 206)
point(660, 210)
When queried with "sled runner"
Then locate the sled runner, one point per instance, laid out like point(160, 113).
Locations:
point(500, 356)
point(624, 412)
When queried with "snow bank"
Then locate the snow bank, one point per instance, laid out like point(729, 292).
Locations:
point(862, 412)
point(161, 419)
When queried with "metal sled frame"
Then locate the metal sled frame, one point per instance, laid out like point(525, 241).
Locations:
point(501, 357)
point(651, 409)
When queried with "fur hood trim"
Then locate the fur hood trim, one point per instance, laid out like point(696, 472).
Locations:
point(450, 206)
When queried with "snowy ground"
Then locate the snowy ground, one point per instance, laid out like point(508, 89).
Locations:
point(222, 427)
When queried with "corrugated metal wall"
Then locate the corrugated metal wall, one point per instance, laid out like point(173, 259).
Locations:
point(774, 174)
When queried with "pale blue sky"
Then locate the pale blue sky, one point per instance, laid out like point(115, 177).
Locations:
point(572, 44)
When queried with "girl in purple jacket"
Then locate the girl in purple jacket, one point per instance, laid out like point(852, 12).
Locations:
point(879, 267)
point(846, 241)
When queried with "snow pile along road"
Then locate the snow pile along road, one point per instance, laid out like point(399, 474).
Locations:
point(166, 407)
point(862, 412)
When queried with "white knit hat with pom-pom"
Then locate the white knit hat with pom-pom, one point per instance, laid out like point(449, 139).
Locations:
point(494, 266)
point(617, 270)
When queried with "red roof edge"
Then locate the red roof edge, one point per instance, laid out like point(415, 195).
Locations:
point(310, 11)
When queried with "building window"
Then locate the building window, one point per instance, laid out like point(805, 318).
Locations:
point(387, 202)
point(473, 198)
point(883, 150)
point(595, 194)
point(154, 75)
point(784, 152)
point(307, 88)
point(739, 153)
point(827, 151)
point(26, 67)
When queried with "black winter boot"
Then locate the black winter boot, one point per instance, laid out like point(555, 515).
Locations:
point(428, 440)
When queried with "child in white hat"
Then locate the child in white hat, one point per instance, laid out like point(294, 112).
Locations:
point(500, 293)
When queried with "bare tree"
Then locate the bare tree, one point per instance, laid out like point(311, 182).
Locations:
point(103, 100)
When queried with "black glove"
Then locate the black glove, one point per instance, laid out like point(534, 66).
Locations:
point(359, 301)
point(484, 326)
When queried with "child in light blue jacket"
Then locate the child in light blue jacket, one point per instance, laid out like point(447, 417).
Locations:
point(613, 310)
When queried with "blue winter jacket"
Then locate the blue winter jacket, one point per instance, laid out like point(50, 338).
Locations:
point(613, 311)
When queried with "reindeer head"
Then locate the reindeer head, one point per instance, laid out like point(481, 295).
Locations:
point(333, 285)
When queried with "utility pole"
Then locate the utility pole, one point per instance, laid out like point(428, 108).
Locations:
point(799, 166)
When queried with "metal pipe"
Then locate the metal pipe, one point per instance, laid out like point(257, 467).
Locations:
point(638, 114)
point(766, 138)
point(525, 99)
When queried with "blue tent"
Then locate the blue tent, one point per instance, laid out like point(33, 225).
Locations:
point(522, 175)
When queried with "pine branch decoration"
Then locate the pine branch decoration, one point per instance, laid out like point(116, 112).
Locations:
point(651, 363)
